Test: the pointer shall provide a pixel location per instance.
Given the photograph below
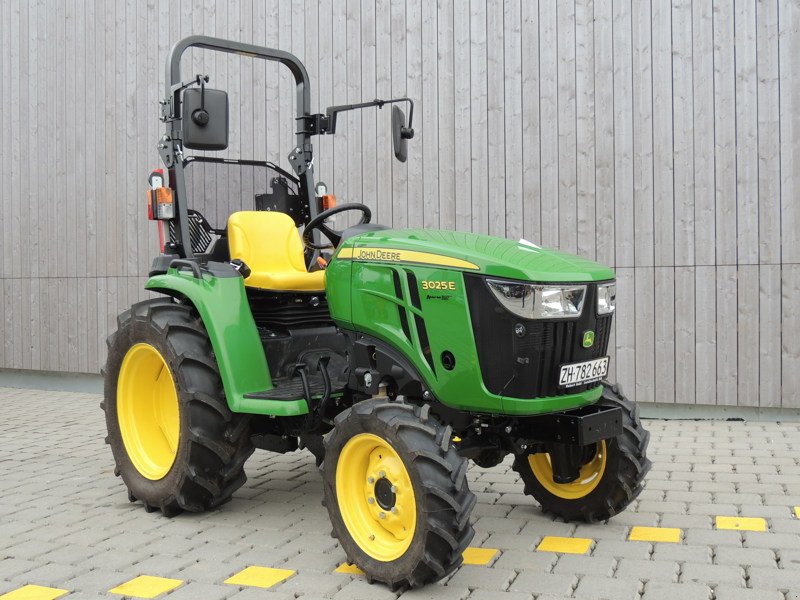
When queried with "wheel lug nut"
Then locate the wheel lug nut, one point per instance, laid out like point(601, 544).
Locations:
point(372, 538)
point(394, 510)
point(382, 474)
point(383, 515)
point(370, 500)
point(394, 489)
point(370, 480)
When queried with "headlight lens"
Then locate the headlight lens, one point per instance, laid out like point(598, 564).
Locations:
point(606, 298)
point(532, 301)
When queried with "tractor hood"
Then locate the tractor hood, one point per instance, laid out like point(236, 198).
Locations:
point(473, 252)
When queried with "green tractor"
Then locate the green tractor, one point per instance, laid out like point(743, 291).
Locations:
point(393, 355)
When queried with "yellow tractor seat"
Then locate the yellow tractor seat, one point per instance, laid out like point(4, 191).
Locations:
point(269, 243)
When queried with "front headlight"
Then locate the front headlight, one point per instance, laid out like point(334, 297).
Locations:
point(532, 301)
point(606, 298)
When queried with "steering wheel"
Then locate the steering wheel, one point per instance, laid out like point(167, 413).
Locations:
point(334, 236)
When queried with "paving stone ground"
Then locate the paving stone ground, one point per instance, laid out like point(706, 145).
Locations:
point(65, 521)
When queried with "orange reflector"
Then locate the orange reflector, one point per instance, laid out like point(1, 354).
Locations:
point(322, 262)
point(328, 201)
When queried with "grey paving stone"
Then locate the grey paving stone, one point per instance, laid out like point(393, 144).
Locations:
point(488, 595)
point(682, 553)
point(437, 592)
point(570, 564)
point(49, 574)
point(260, 594)
point(161, 565)
point(473, 577)
point(205, 571)
point(308, 583)
point(713, 537)
point(746, 557)
point(647, 570)
point(499, 525)
point(511, 542)
point(603, 588)
point(774, 579)
point(764, 539)
point(358, 589)
point(523, 560)
point(544, 583)
point(712, 574)
point(729, 592)
point(659, 590)
point(193, 591)
point(622, 549)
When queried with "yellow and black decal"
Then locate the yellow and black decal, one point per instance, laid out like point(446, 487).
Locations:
point(405, 256)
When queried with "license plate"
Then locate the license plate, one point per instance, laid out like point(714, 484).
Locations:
point(583, 372)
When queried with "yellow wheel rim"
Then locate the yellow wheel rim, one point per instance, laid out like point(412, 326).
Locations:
point(590, 474)
point(375, 496)
point(147, 410)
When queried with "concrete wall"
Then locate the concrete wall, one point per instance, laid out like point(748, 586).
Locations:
point(662, 138)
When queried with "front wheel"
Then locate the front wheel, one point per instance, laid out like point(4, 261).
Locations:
point(611, 475)
point(396, 492)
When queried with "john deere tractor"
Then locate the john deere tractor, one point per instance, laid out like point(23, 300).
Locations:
point(395, 356)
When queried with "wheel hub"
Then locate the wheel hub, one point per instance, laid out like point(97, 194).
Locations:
point(384, 493)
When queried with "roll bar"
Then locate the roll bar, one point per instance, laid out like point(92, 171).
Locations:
point(170, 148)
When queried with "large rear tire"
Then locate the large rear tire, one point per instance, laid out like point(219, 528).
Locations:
point(175, 442)
point(612, 475)
point(396, 492)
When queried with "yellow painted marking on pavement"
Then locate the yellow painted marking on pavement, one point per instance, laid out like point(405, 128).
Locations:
point(742, 523)
point(655, 534)
point(797, 511)
point(564, 545)
point(34, 592)
point(262, 577)
point(146, 586)
point(478, 556)
point(348, 569)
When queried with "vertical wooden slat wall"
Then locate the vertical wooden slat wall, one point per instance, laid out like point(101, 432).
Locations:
point(660, 137)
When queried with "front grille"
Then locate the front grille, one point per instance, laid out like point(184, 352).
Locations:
point(527, 366)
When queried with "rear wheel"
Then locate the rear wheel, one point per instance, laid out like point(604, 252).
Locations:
point(611, 475)
point(176, 444)
point(396, 492)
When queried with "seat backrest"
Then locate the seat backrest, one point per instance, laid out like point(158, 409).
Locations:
point(266, 241)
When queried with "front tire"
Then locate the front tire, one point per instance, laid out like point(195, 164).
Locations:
point(175, 442)
point(612, 475)
point(396, 492)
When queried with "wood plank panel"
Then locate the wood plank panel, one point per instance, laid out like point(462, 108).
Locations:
point(567, 125)
point(725, 133)
point(661, 138)
point(683, 123)
point(642, 73)
point(789, 60)
point(769, 167)
point(531, 156)
point(769, 335)
point(727, 338)
point(548, 122)
point(585, 128)
point(748, 341)
point(703, 130)
point(604, 133)
point(512, 105)
point(495, 207)
point(746, 134)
